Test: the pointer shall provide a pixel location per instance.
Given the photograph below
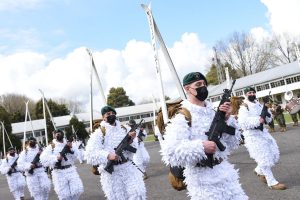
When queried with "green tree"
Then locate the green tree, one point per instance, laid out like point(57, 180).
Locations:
point(5, 118)
point(79, 128)
point(55, 109)
point(212, 75)
point(117, 98)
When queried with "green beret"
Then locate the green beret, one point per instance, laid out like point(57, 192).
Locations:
point(11, 148)
point(193, 77)
point(248, 89)
point(106, 109)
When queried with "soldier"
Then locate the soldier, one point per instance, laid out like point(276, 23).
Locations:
point(186, 145)
point(15, 179)
point(37, 179)
point(141, 158)
point(279, 117)
point(60, 157)
point(261, 145)
point(126, 181)
point(295, 119)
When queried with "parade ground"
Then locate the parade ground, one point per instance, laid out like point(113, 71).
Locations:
point(286, 171)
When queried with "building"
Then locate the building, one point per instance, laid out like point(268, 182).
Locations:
point(276, 81)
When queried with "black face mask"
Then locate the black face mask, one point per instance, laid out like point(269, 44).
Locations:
point(111, 119)
point(202, 93)
point(251, 98)
point(59, 138)
point(12, 154)
point(32, 144)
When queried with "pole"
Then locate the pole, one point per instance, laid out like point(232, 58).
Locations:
point(94, 70)
point(44, 113)
point(158, 70)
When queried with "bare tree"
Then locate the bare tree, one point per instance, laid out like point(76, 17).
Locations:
point(73, 106)
point(284, 49)
point(14, 103)
point(245, 54)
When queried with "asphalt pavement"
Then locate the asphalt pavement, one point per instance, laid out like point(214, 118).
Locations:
point(286, 171)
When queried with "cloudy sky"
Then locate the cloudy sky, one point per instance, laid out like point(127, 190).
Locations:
point(43, 42)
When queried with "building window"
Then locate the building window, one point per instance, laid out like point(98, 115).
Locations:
point(135, 117)
point(123, 119)
point(145, 115)
point(293, 79)
point(263, 87)
point(277, 83)
point(214, 99)
point(239, 93)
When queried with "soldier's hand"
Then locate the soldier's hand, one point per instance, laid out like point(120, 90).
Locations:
point(112, 156)
point(132, 134)
point(261, 120)
point(32, 166)
point(225, 107)
point(59, 157)
point(210, 147)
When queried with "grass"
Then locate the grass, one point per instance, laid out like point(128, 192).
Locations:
point(150, 138)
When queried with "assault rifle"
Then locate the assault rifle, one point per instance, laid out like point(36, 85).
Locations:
point(12, 167)
point(219, 126)
point(63, 154)
point(141, 135)
point(264, 113)
point(35, 160)
point(124, 145)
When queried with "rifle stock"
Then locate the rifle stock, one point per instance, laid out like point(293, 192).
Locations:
point(124, 145)
point(219, 126)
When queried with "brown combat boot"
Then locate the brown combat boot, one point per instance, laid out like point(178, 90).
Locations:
point(145, 176)
point(272, 130)
point(295, 124)
point(278, 186)
point(262, 178)
point(281, 129)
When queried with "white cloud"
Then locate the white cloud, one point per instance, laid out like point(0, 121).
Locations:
point(284, 16)
point(260, 34)
point(131, 68)
point(19, 4)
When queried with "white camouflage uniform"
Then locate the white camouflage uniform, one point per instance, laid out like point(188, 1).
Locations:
point(38, 182)
point(16, 181)
point(141, 158)
point(67, 183)
point(261, 145)
point(183, 147)
point(126, 181)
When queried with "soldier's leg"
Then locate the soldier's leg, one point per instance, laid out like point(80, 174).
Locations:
point(272, 127)
point(295, 120)
point(266, 170)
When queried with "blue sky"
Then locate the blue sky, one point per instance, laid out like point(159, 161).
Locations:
point(43, 42)
point(60, 26)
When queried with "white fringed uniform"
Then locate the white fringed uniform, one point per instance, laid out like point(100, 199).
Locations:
point(183, 147)
point(261, 145)
point(141, 158)
point(126, 181)
point(16, 181)
point(67, 183)
point(38, 183)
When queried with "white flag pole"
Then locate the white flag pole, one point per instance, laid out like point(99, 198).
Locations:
point(94, 70)
point(158, 70)
point(44, 113)
point(25, 124)
point(3, 138)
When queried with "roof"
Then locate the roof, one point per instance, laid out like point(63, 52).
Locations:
point(84, 117)
point(258, 78)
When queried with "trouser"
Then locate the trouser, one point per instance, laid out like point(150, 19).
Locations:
point(18, 194)
point(281, 121)
point(267, 172)
point(294, 117)
point(271, 124)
